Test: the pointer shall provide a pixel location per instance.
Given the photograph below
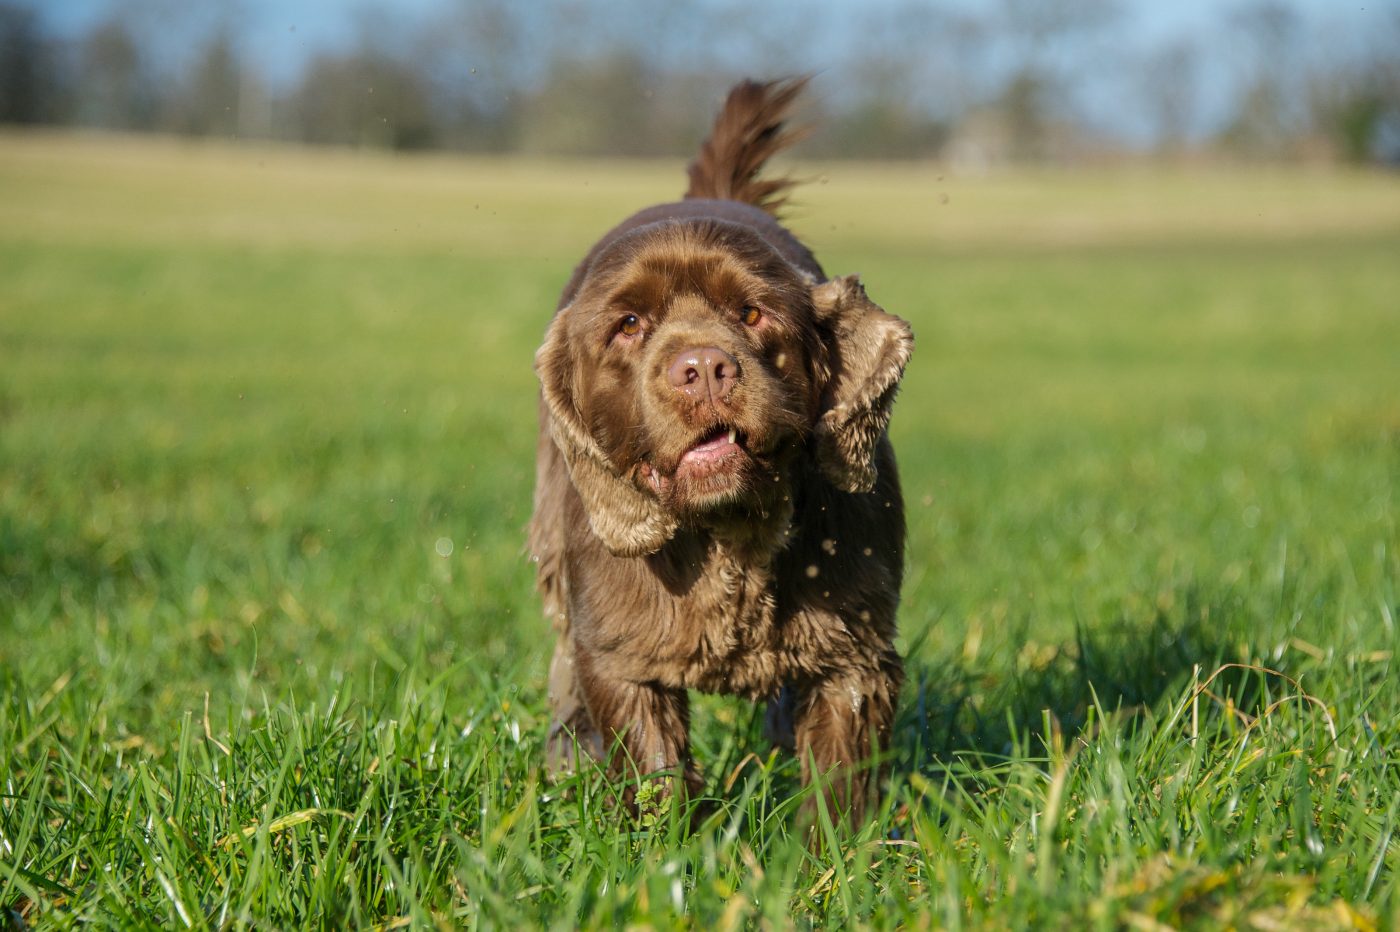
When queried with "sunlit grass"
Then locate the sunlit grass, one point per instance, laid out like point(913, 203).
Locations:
point(269, 652)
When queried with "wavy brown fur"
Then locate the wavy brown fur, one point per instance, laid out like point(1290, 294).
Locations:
point(747, 132)
point(769, 571)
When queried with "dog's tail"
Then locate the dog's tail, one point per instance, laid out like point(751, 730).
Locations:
point(747, 132)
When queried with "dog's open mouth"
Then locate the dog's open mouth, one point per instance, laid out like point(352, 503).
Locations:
point(712, 464)
point(715, 446)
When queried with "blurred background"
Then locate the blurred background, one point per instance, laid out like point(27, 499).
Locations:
point(272, 273)
point(975, 84)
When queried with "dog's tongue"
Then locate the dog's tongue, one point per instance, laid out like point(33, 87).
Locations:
point(717, 444)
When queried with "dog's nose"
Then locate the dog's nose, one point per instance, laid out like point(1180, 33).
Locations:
point(704, 372)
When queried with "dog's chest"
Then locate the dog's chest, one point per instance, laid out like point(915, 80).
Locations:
point(731, 635)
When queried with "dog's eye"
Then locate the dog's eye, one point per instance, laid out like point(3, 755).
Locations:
point(630, 326)
point(751, 315)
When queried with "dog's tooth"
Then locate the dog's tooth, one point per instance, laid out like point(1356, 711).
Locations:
point(733, 435)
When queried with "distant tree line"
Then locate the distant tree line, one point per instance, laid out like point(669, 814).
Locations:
point(911, 79)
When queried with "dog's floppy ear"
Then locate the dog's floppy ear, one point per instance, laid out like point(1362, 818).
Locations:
point(869, 349)
point(628, 521)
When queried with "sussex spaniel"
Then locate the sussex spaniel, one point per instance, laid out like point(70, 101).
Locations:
point(716, 501)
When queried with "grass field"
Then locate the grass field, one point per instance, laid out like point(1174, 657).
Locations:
point(269, 652)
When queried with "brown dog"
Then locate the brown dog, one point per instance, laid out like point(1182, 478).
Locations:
point(716, 501)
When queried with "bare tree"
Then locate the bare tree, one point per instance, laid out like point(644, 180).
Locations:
point(1355, 102)
point(591, 107)
point(1268, 113)
point(209, 100)
point(363, 98)
point(1170, 90)
point(897, 101)
point(118, 90)
point(30, 72)
point(1045, 40)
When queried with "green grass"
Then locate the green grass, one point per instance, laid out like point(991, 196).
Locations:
point(249, 398)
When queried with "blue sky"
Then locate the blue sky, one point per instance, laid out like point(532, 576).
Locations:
point(280, 36)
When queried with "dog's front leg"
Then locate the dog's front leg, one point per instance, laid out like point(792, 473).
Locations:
point(646, 726)
point(842, 723)
point(571, 729)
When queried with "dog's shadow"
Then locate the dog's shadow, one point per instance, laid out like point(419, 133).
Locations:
point(961, 702)
point(980, 707)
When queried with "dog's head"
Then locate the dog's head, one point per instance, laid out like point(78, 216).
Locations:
point(694, 363)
